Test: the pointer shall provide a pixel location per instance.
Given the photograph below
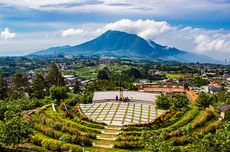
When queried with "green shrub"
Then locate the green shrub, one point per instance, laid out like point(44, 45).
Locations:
point(164, 118)
point(51, 145)
point(129, 138)
point(36, 140)
point(129, 145)
point(186, 119)
point(163, 102)
point(71, 148)
point(65, 138)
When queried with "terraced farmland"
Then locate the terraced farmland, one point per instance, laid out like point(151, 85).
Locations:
point(68, 130)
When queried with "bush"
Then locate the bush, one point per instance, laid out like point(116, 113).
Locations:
point(129, 144)
point(180, 100)
point(71, 148)
point(36, 140)
point(163, 118)
point(163, 102)
point(51, 145)
point(48, 131)
point(65, 138)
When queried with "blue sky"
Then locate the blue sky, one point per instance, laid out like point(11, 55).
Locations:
point(200, 26)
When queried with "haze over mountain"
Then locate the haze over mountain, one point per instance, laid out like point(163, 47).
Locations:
point(122, 44)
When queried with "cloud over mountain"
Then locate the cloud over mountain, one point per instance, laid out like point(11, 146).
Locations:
point(144, 28)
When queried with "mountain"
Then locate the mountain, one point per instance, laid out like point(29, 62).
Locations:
point(122, 44)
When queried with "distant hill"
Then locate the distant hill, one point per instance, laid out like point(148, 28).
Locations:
point(122, 44)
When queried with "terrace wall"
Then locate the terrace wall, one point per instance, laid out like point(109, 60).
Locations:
point(192, 96)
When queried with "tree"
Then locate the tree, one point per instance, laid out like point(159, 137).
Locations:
point(180, 100)
point(19, 86)
point(102, 75)
point(163, 102)
point(58, 93)
point(134, 73)
point(54, 76)
point(14, 131)
point(198, 81)
point(3, 89)
point(77, 88)
point(39, 87)
point(204, 99)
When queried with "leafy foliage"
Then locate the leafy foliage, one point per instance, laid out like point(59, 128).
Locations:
point(39, 87)
point(204, 99)
point(102, 75)
point(163, 102)
point(58, 93)
point(54, 76)
point(14, 131)
point(19, 86)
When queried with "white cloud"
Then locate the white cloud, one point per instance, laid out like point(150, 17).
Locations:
point(144, 28)
point(72, 32)
point(6, 34)
point(218, 42)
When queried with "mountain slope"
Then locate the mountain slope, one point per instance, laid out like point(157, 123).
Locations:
point(122, 44)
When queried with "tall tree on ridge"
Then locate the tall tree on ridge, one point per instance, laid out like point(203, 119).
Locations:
point(39, 87)
point(54, 76)
point(19, 86)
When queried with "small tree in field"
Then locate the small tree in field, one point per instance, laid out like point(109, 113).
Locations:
point(59, 93)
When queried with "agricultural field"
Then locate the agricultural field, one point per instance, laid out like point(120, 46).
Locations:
point(174, 75)
point(90, 72)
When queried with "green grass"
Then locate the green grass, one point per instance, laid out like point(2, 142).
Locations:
point(87, 72)
point(69, 122)
point(189, 116)
point(90, 107)
point(149, 111)
point(93, 149)
point(208, 126)
point(174, 75)
point(140, 114)
point(101, 111)
point(104, 142)
point(133, 113)
point(90, 72)
point(108, 111)
point(115, 113)
point(95, 110)
point(123, 121)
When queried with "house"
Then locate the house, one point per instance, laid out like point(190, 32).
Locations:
point(214, 87)
point(224, 108)
point(228, 80)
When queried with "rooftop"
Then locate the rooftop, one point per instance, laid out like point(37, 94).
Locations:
point(224, 107)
